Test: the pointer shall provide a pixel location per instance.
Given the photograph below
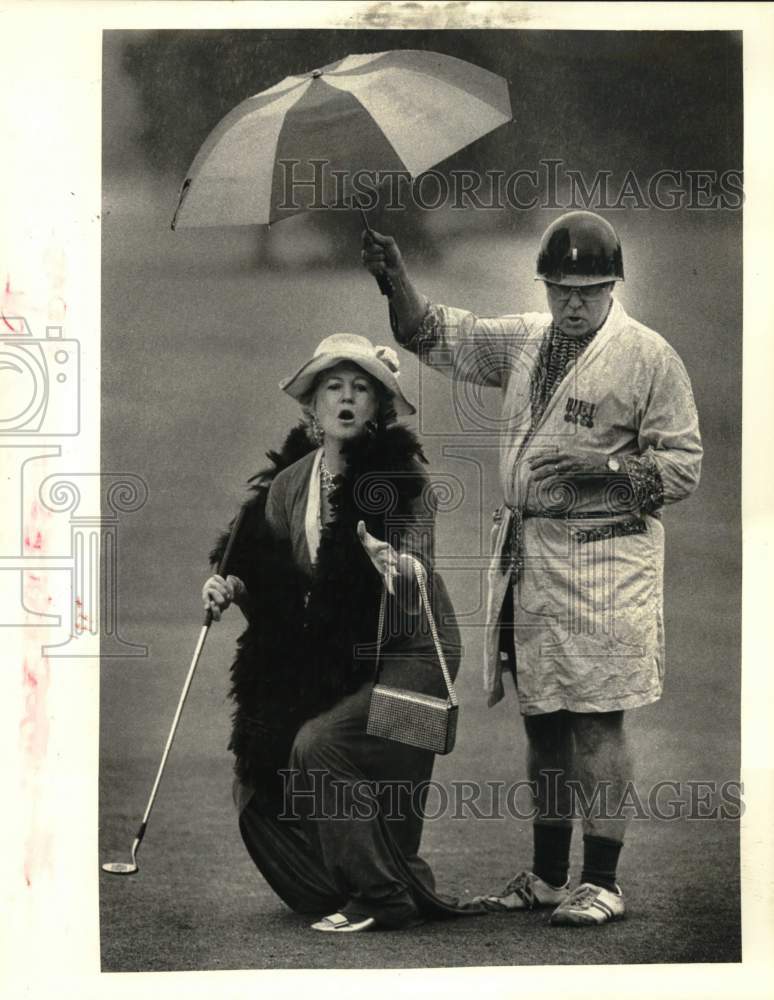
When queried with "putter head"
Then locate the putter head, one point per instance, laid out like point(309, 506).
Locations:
point(120, 867)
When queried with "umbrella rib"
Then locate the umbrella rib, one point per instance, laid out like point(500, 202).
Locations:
point(250, 104)
point(210, 149)
point(333, 79)
point(288, 125)
point(386, 128)
point(358, 72)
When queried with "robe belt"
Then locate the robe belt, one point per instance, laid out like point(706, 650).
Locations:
point(513, 548)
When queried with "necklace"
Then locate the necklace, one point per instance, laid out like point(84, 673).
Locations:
point(327, 479)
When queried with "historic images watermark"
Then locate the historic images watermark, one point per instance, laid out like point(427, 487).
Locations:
point(595, 553)
point(550, 184)
point(44, 395)
point(68, 522)
point(316, 794)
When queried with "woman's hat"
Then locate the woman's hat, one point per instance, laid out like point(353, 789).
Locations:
point(381, 363)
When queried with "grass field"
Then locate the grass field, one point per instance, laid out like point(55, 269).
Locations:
point(198, 902)
point(195, 339)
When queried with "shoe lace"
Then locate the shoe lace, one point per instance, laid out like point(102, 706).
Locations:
point(582, 897)
point(521, 885)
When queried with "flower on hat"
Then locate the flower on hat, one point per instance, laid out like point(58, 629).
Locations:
point(389, 358)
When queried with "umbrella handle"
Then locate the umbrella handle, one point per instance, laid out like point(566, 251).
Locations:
point(384, 281)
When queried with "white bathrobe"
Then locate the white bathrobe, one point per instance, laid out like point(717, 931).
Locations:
point(588, 604)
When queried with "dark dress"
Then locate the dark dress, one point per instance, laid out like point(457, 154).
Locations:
point(345, 833)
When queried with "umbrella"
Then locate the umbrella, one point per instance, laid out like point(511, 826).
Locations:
point(404, 110)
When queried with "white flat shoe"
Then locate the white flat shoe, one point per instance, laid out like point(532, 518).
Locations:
point(337, 923)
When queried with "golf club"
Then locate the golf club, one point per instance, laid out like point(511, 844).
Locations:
point(130, 867)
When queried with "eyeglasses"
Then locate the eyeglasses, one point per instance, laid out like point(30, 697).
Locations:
point(587, 293)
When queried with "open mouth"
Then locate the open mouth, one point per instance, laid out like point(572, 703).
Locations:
point(346, 416)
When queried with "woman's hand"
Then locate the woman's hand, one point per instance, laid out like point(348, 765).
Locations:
point(382, 555)
point(218, 594)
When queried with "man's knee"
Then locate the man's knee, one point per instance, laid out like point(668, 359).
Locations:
point(546, 731)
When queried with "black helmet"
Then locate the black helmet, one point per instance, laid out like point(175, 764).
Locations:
point(580, 248)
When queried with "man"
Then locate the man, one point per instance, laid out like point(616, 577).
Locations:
point(600, 431)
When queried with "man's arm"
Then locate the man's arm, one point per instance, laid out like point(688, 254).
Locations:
point(381, 256)
point(455, 342)
point(668, 467)
point(667, 464)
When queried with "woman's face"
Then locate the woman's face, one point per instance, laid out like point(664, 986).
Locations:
point(344, 401)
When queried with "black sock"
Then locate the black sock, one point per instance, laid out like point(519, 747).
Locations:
point(551, 858)
point(600, 860)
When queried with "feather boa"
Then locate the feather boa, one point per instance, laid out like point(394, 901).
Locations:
point(295, 659)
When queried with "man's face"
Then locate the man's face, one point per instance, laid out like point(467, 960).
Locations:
point(578, 311)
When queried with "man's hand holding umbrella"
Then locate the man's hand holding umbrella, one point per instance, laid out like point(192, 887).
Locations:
point(381, 256)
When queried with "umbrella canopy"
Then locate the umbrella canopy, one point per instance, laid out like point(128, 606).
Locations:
point(387, 111)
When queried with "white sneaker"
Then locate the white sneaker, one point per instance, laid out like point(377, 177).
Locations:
point(525, 891)
point(337, 923)
point(590, 904)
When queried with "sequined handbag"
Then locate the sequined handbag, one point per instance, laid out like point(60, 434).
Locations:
point(405, 716)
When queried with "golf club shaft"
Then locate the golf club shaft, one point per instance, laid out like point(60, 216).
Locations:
point(186, 687)
point(222, 566)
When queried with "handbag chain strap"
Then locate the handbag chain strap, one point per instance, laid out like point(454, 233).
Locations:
point(421, 576)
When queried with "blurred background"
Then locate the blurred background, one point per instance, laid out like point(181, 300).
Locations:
point(199, 326)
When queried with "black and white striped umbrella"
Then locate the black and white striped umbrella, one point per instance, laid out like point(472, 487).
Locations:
point(343, 127)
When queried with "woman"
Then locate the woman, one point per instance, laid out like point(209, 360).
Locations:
point(331, 816)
